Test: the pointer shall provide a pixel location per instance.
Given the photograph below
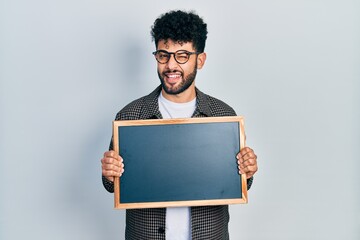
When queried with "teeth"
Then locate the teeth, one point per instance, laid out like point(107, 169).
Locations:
point(173, 76)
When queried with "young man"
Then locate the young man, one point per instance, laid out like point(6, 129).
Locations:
point(180, 41)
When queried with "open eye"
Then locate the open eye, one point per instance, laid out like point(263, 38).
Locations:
point(163, 55)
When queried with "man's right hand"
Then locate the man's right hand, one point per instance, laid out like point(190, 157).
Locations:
point(112, 165)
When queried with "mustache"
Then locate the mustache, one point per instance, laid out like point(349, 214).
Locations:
point(172, 71)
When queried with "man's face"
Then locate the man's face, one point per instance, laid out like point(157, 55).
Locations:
point(176, 78)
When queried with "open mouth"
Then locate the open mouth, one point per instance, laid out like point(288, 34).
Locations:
point(172, 77)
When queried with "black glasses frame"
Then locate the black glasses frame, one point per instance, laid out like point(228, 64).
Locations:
point(174, 53)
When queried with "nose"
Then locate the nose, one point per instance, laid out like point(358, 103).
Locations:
point(171, 64)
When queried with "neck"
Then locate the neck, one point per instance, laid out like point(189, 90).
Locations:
point(183, 97)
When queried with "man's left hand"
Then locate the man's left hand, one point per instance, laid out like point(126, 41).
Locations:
point(247, 162)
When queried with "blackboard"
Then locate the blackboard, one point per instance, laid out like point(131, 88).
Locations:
point(179, 162)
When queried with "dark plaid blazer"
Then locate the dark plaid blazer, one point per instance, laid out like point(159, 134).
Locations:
point(207, 222)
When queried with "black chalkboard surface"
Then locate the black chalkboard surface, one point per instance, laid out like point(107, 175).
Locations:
point(179, 162)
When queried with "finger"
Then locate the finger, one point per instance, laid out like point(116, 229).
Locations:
point(248, 170)
point(245, 150)
point(240, 169)
point(249, 162)
point(112, 154)
point(247, 155)
point(111, 160)
point(112, 170)
point(250, 157)
point(111, 173)
point(113, 167)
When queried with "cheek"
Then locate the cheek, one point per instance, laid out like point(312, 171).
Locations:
point(188, 69)
point(159, 68)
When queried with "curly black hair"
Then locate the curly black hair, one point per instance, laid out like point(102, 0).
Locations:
point(182, 27)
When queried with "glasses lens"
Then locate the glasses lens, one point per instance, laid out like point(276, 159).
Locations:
point(182, 56)
point(162, 57)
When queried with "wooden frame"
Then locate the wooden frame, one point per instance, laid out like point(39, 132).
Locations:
point(143, 142)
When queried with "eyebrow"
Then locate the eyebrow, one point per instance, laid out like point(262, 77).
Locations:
point(174, 51)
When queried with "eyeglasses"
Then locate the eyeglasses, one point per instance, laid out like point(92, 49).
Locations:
point(181, 56)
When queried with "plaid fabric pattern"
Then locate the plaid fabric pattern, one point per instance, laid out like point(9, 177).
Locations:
point(208, 222)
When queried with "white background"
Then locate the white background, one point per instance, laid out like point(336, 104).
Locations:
point(291, 68)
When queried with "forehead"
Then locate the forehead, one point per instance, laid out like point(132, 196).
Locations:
point(173, 46)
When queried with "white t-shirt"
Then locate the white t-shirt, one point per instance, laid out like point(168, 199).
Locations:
point(178, 219)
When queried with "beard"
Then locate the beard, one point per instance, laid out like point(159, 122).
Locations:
point(184, 84)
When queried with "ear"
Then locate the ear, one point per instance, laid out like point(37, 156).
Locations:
point(201, 58)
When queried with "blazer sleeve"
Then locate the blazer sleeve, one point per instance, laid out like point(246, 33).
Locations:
point(249, 182)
